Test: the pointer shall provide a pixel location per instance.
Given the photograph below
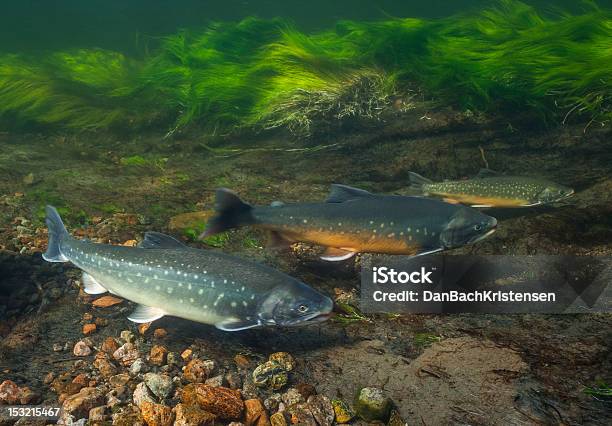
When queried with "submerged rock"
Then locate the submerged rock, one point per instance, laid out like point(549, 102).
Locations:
point(255, 413)
point(11, 394)
point(301, 414)
point(278, 419)
point(156, 414)
point(158, 355)
point(141, 394)
point(225, 403)
point(192, 415)
point(126, 354)
point(372, 404)
point(104, 365)
point(79, 404)
point(160, 384)
point(270, 374)
point(343, 412)
point(395, 419)
point(321, 409)
point(197, 370)
point(284, 359)
point(109, 345)
point(81, 349)
point(292, 396)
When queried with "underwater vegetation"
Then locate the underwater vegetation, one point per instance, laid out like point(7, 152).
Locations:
point(268, 74)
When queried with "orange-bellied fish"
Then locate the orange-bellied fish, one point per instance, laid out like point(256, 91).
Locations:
point(491, 190)
point(353, 220)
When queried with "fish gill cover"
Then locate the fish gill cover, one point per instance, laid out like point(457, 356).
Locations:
point(267, 74)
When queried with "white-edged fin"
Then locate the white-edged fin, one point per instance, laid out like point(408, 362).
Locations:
point(481, 206)
point(425, 253)
point(235, 324)
point(144, 314)
point(537, 203)
point(341, 193)
point(157, 240)
point(91, 285)
point(333, 254)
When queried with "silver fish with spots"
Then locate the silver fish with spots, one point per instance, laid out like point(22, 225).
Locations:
point(488, 189)
point(165, 277)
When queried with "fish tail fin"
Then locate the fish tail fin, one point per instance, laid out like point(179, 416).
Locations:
point(417, 181)
point(57, 235)
point(232, 212)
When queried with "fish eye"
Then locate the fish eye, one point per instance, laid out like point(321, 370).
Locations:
point(477, 227)
point(302, 308)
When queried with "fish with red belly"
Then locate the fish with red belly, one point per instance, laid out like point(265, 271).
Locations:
point(352, 220)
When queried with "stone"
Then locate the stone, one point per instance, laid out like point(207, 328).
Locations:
point(343, 412)
point(106, 301)
point(191, 220)
point(48, 378)
point(104, 365)
point(127, 336)
point(192, 415)
point(160, 333)
point(300, 414)
point(142, 394)
point(126, 354)
point(218, 380)
point(157, 355)
point(292, 396)
point(172, 359)
point(197, 370)
point(306, 390)
point(371, 404)
point(89, 329)
point(321, 409)
point(160, 384)
point(271, 403)
point(186, 354)
point(12, 394)
point(79, 404)
point(242, 361)
point(142, 328)
point(278, 419)
point(284, 359)
point(156, 414)
point(128, 416)
point(255, 413)
point(395, 419)
point(109, 345)
point(119, 379)
point(98, 414)
point(225, 403)
point(81, 380)
point(270, 374)
point(81, 349)
point(138, 366)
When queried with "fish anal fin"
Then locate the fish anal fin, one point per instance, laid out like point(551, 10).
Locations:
point(91, 285)
point(481, 206)
point(236, 324)
point(157, 240)
point(334, 254)
point(341, 193)
point(144, 314)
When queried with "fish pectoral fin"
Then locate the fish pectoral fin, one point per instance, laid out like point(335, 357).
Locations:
point(342, 193)
point(144, 314)
point(157, 240)
point(425, 253)
point(481, 206)
point(236, 324)
point(91, 285)
point(278, 241)
point(334, 254)
point(450, 201)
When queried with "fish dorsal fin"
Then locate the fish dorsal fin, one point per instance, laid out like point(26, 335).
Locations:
point(341, 193)
point(153, 240)
point(333, 254)
point(486, 173)
point(91, 285)
point(236, 324)
point(144, 314)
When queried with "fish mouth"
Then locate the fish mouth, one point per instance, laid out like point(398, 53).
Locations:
point(485, 235)
point(309, 320)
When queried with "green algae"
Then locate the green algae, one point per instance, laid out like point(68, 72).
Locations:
point(267, 74)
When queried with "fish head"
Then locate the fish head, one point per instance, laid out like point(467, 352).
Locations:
point(294, 304)
point(552, 193)
point(467, 226)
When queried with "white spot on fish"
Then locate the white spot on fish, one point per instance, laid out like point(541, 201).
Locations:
point(233, 304)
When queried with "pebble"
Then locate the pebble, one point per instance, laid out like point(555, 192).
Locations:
point(216, 381)
point(106, 301)
point(242, 361)
point(344, 414)
point(234, 381)
point(190, 415)
point(119, 379)
point(284, 359)
point(98, 414)
point(301, 414)
point(137, 366)
point(89, 329)
point(270, 374)
point(255, 413)
point(104, 365)
point(172, 359)
point(371, 404)
point(186, 354)
point(197, 370)
point(157, 355)
point(156, 414)
point(87, 316)
point(321, 409)
point(271, 403)
point(57, 347)
point(395, 419)
point(126, 354)
point(144, 327)
point(127, 336)
point(11, 394)
point(160, 384)
point(81, 349)
point(109, 345)
point(48, 378)
point(79, 404)
point(160, 333)
point(306, 390)
point(225, 403)
point(278, 419)
point(142, 394)
point(292, 396)
point(81, 380)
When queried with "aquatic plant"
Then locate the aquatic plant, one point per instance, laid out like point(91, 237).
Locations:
point(267, 74)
